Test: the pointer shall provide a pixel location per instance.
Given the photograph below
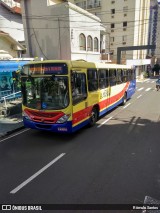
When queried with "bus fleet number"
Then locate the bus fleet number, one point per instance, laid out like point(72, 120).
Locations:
point(104, 94)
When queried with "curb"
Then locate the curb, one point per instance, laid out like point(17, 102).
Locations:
point(11, 132)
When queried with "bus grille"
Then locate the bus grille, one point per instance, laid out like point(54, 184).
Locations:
point(44, 117)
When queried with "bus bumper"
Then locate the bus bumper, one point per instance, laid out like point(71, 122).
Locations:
point(63, 128)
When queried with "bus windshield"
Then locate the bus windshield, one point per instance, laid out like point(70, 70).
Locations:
point(45, 93)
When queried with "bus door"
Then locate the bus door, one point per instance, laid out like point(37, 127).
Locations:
point(79, 98)
point(105, 90)
point(112, 87)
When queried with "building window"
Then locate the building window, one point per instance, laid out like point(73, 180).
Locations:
point(125, 9)
point(90, 4)
point(111, 39)
point(82, 41)
point(124, 38)
point(124, 24)
point(123, 55)
point(112, 2)
point(96, 49)
point(112, 11)
point(89, 43)
point(111, 54)
point(81, 4)
point(97, 3)
point(112, 25)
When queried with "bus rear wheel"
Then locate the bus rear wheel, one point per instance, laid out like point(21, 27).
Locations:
point(124, 99)
point(94, 117)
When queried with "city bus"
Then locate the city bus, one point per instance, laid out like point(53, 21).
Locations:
point(64, 95)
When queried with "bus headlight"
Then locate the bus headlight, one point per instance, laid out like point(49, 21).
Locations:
point(63, 119)
point(25, 115)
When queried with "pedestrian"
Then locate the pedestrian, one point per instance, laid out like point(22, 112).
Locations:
point(158, 84)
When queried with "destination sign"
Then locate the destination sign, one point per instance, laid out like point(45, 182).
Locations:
point(49, 68)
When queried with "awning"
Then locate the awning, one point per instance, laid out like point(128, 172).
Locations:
point(10, 66)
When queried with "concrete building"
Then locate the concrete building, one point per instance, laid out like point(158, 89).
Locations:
point(127, 24)
point(157, 53)
point(11, 19)
point(153, 21)
point(60, 30)
point(11, 30)
point(9, 47)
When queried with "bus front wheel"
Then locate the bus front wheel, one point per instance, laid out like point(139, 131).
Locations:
point(94, 117)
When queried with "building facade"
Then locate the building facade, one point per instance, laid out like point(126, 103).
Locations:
point(126, 21)
point(60, 30)
point(11, 19)
point(157, 53)
point(153, 21)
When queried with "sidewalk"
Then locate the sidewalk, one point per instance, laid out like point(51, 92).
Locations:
point(10, 124)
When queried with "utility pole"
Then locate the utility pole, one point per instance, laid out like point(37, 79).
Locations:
point(60, 50)
point(30, 50)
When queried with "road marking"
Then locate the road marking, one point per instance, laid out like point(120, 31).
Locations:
point(140, 88)
point(148, 89)
point(104, 122)
point(36, 174)
point(13, 135)
point(138, 124)
point(126, 106)
point(112, 116)
point(139, 96)
point(152, 82)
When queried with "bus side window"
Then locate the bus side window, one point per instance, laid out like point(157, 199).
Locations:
point(92, 79)
point(129, 75)
point(119, 76)
point(133, 76)
point(112, 77)
point(124, 77)
point(103, 78)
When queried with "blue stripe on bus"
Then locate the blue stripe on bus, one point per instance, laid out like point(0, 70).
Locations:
point(63, 128)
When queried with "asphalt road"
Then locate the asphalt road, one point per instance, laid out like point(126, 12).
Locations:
point(115, 162)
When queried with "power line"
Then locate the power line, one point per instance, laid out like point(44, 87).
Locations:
point(78, 13)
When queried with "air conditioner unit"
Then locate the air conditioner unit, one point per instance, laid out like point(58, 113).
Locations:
point(90, 6)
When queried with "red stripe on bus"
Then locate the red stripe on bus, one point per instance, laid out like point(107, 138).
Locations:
point(83, 114)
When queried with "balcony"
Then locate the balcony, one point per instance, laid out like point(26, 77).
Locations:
point(94, 5)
